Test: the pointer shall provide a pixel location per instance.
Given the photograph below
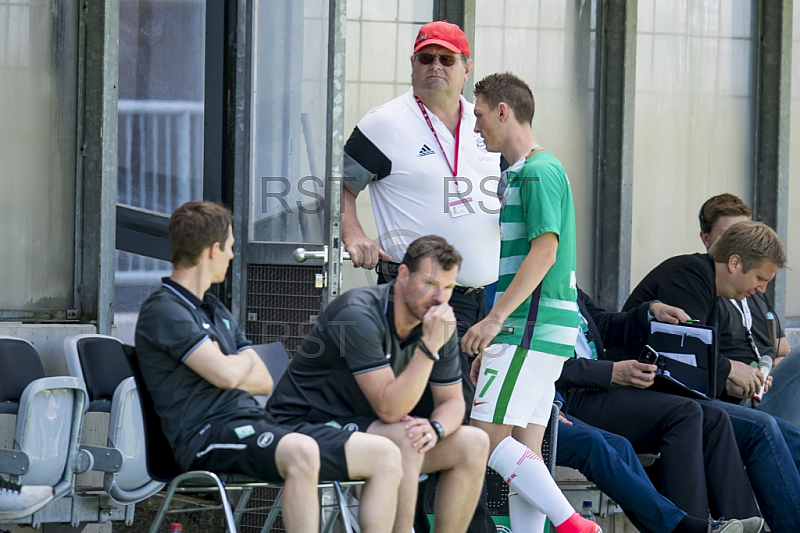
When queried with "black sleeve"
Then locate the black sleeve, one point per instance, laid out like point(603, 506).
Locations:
point(723, 371)
point(585, 373)
point(627, 328)
point(363, 161)
point(692, 288)
point(447, 370)
point(242, 341)
point(358, 333)
point(762, 306)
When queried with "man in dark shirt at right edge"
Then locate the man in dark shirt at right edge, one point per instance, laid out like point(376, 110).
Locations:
point(744, 335)
point(742, 261)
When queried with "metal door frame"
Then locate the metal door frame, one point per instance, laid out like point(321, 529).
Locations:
point(279, 254)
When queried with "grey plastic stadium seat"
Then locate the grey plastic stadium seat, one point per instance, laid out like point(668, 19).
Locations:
point(99, 362)
point(276, 359)
point(49, 414)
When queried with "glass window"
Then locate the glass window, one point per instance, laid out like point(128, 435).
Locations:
point(380, 41)
point(551, 45)
point(136, 276)
point(38, 110)
point(289, 121)
point(161, 86)
point(793, 241)
point(693, 120)
point(160, 149)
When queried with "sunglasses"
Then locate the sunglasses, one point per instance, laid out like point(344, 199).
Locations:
point(444, 60)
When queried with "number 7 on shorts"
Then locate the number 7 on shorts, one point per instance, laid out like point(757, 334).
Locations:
point(492, 374)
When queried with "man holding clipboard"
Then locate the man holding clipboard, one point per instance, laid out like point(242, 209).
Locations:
point(742, 261)
point(617, 396)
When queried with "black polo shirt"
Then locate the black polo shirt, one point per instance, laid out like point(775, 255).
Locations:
point(354, 334)
point(733, 341)
point(172, 324)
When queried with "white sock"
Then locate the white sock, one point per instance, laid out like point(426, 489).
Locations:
point(523, 516)
point(526, 473)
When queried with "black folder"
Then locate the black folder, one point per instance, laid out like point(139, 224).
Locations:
point(687, 359)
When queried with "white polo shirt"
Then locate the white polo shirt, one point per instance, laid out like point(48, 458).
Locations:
point(394, 151)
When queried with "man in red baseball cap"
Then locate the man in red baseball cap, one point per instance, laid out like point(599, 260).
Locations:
point(439, 68)
point(444, 34)
point(429, 172)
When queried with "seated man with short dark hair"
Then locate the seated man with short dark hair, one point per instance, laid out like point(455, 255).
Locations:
point(202, 374)
point(365, 365)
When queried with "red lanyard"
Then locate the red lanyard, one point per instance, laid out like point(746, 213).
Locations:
point(453, 168)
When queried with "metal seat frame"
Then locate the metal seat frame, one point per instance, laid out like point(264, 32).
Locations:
point(203, 481)
point(162, 467)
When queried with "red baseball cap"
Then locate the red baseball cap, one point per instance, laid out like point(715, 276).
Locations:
point(444, 34)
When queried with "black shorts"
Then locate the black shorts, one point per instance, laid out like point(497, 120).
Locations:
point(351, 423)
point(347, 423)
point(247, 446)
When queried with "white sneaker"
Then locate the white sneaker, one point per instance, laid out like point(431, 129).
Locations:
point(752, 525)
point(725, 526)
point(21, 500)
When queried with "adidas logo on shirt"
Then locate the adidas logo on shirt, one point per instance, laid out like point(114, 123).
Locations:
point(425, 150)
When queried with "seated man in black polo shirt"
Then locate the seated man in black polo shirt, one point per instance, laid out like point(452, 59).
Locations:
point(366, 364)
point(202, 372)
point(744, 332)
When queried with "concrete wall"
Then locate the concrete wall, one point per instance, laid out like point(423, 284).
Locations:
point(793, 241)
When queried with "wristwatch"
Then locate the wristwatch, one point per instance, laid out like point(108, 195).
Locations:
point(438, 428)
point(650, 315)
